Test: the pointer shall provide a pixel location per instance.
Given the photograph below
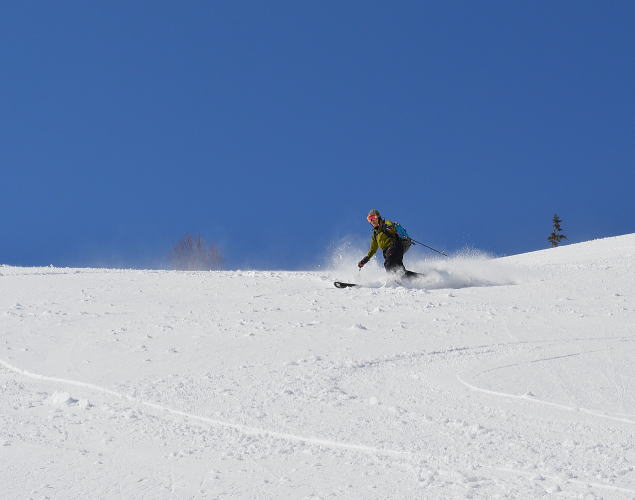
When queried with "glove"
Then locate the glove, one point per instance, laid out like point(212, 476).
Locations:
point(363, 262)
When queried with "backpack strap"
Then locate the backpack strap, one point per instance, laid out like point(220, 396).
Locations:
point(389, 231)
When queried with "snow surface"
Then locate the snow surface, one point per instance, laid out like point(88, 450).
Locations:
point(490, 378)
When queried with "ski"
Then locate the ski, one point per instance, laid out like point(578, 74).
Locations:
point(341, 284)
point(412, 274)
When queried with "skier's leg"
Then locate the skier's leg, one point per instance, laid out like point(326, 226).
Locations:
point(393, 259)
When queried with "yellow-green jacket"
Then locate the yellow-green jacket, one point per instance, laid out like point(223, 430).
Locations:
point(383, 236)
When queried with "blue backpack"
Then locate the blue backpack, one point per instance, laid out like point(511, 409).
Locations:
point(401, 231)
point(398, 229)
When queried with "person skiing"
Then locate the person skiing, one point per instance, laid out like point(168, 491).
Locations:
point(386, 237)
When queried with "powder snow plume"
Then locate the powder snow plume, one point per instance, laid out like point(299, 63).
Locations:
point(466, 268)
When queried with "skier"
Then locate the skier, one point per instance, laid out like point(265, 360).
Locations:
point(385, 236)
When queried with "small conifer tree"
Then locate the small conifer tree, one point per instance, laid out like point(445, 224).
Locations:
point(556, 235)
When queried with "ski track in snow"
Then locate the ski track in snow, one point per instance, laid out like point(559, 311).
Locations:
point(320, 442)
point(533, 399)
point(526, 397)
point(326, 443)
point(247, 430)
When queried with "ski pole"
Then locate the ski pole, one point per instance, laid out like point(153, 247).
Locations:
point(424, 245)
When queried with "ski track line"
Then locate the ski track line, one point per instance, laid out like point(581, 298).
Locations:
point(540, 360)
point(526, 397)
point(595, 413)
point(312, 441)
point(244, 429)
point(371, 363)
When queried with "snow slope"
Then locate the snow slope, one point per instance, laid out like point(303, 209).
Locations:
point(491, 378)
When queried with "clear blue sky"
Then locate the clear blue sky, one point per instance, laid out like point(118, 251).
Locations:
point(272, 128)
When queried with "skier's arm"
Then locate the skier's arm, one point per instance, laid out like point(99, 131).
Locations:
point(373, 247)
point(371, 252)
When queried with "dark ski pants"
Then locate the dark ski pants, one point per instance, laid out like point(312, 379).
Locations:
point(393, 259)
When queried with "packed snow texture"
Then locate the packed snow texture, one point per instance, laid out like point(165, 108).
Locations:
point(487, 378)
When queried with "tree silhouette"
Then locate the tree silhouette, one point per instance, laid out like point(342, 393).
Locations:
point(556, 235)
point(193, 254)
